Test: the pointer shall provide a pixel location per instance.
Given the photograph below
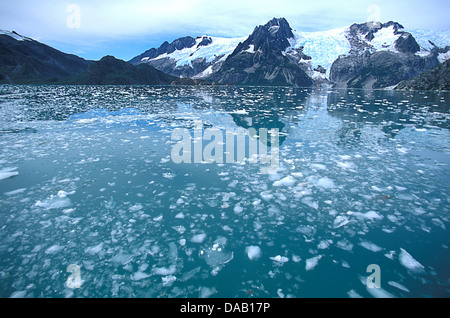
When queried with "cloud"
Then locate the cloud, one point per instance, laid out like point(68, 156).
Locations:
point(101, 22)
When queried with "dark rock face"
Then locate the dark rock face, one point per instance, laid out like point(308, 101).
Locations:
point(166, 47)
point(206, 40)
point(29, 61)
point(260, 60)
point(320, 69)
point(407, 44)
point(112, 71)
point(437, 78)
point(272, 36)
point(379, 70)
point(364, 67)
point(348, 66)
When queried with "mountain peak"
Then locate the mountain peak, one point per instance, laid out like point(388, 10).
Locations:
point(274, 35)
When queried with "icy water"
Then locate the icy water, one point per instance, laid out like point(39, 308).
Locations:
point(87, 180)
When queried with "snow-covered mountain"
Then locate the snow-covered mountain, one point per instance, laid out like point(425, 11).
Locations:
point(314, 52)
point(189, 57)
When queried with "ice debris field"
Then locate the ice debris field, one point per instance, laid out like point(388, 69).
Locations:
point(86, 178)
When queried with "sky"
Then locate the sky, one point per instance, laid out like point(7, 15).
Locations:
point(126, 28)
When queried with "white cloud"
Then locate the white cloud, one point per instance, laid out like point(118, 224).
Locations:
point(118, 20)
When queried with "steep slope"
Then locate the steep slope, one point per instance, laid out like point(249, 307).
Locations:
point(112, 71)
point(261, 59)
point(369, 55)
point(24, 60)
point(381, 55)
point(437, 78)
point(189, 57)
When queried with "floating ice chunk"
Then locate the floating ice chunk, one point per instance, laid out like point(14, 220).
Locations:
point(372, 215)
point(8, 173)
point(371, 246)
point(253, 252)
point(402, 150)
point(164, 271)
point(296, 258)
point(188, 275)
point(309, 202)
point(182, 242)
point(345, 264)
point(345, 245)
point(136, 207)
point(312, 262)
point(238, 209)
point(279, 259)
point(390, 254)
point(353, 294)
point(398, 286)
point(346, 157)
point(288, 181)
point(122, 258)
point(61, 194)
point(324, 244)
point(319, 166)
point(179, 215)
point(438, 223)
point(326, 183)
point(297, 174)
point(139, 276)
point(14, 192)
point(280, 293)
point(380, 293)
point(375, 188)
point(94, 249)
point(173, 252)
point(256, 202)
point(168, 280)
point(227, 228)
point(86, 121)
point(266, 195)
point(346, 165)
point(409, 262)
point(54, 249)
point(18, 294)
point(54, 202)
point(206, 292)
point(179, 228)
point(340, 221)
point(216, 257)
point(198, 238)
point(158, 218)
point(368, 215)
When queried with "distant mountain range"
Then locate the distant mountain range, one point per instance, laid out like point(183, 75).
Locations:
point(366, 55)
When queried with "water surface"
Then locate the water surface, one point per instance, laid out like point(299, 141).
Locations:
point(87, 179)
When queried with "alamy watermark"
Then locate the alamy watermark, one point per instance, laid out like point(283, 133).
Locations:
point(74, 19)
point(375, 14)
point(74, 280)
point(213, 145)
point(374, 279)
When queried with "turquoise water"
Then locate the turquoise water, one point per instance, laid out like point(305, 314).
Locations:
point(87, 178)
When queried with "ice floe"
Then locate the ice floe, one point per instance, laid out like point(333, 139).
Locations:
point(409, 262)
point(312, 262)
point(253, 252)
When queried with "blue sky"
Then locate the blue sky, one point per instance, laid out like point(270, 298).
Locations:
point(126, 28)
